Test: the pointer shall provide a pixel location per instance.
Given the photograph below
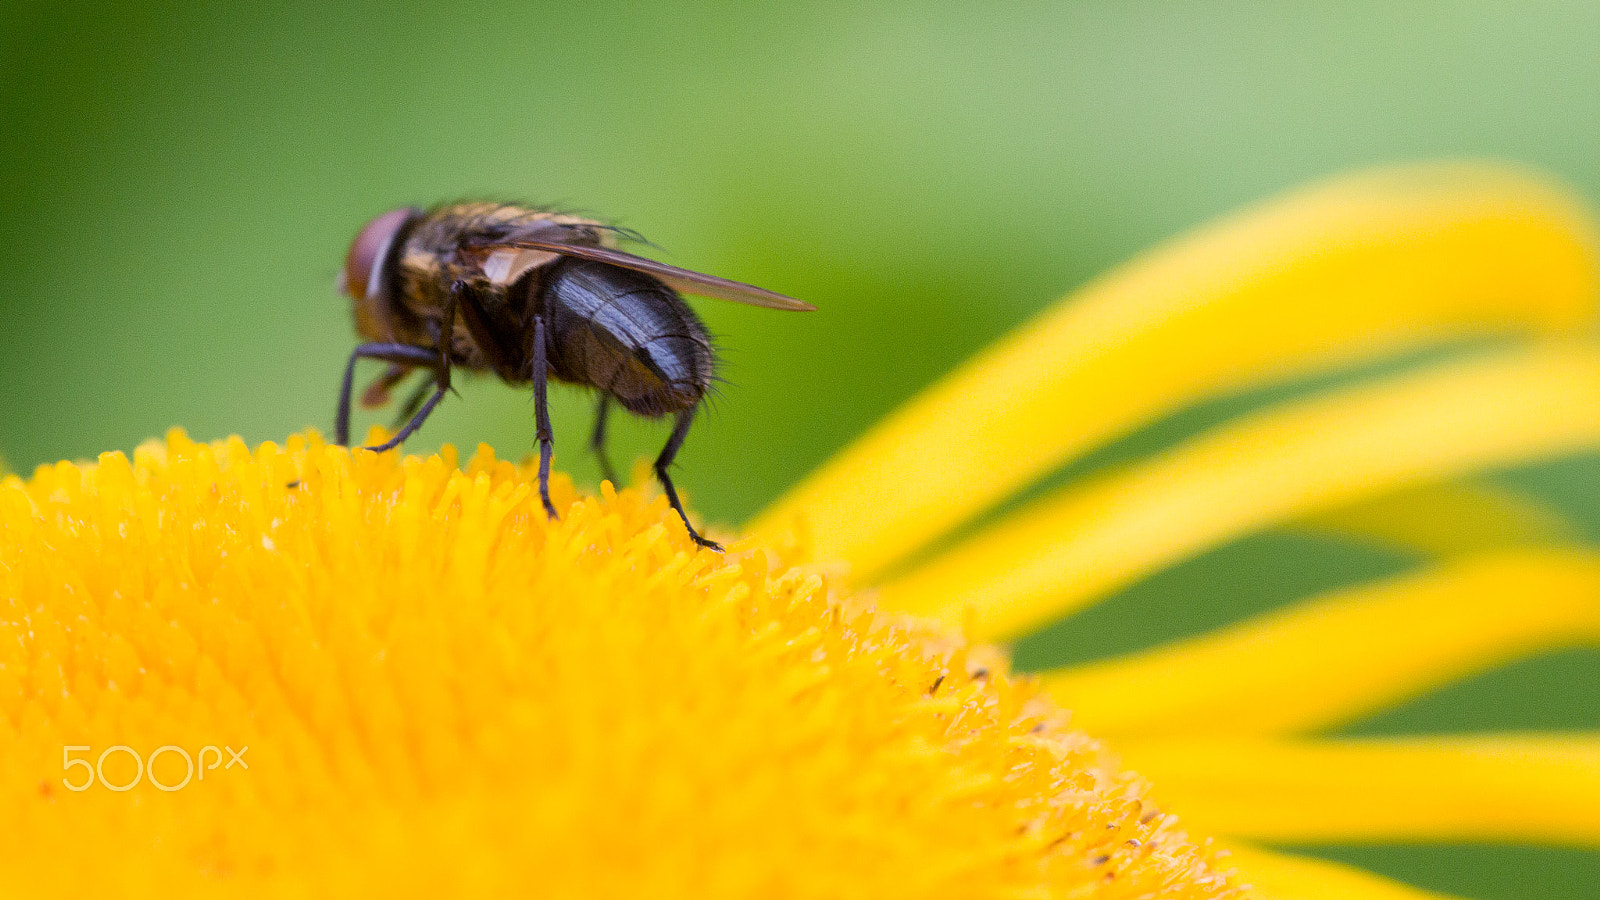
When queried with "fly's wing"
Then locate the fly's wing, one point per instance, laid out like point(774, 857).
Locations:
point(682, 280)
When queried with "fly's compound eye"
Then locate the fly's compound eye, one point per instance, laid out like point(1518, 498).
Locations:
point(363, 265)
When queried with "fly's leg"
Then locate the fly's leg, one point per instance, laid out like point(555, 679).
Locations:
point(377, 393)
point(680, 430)
point(438, 358)
point(412, 404)
point(415, 422)
point(541, 406)
point(597, 441)
point(399, 354)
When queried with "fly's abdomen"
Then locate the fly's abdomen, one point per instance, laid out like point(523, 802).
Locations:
point(627, 334)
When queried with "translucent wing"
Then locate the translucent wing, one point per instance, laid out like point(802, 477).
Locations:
point(683, 280)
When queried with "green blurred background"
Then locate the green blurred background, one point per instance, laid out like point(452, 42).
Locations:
point(180, 181)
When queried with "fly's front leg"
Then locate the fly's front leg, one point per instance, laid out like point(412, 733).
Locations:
point(447, 335)
point(680, 430)
point(439, 360)
point(399, 354)
point(412, 403)
point(377, 393)
point(541, 407)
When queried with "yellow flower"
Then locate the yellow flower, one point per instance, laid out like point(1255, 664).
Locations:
point(324, 673)
point(302, 672)
point(1343, 274)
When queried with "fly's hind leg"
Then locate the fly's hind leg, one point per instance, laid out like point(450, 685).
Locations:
point(680, 430)
point(597, 441)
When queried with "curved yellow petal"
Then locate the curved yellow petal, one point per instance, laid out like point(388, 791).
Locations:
point(1502, 787)
point(1349, 269)
point(1448, 519)
point(1081, 543)
point(1334, 658)
point(1280, 876)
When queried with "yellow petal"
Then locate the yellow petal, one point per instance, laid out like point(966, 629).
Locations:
point(1080, 544)
point(1449, 519)
point(1542, 788)
point(1279, 876)
point(1329, 660)
point(1351, 269)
